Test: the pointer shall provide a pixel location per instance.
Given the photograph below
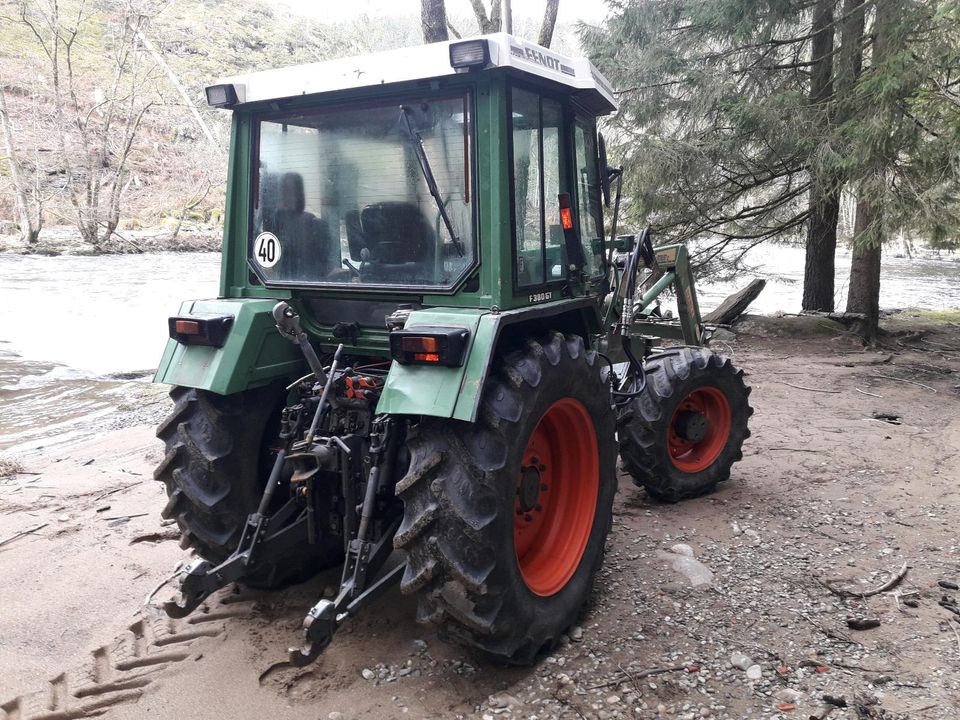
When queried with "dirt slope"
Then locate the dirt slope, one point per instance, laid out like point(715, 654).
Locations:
point(825, 491)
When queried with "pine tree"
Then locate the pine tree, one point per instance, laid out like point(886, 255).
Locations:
point(901, 131)
point(744, 120)
point(715, 126)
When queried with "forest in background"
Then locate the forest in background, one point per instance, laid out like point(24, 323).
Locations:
point(746, 121)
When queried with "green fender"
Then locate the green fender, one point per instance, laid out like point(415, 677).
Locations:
point(442, 391)
point(254, 352)
point(455, 392)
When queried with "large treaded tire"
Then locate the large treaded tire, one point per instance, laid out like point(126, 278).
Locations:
point(644, 425)
point(459, 495)
point(214, 470)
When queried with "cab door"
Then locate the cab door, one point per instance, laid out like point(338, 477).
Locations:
point(589, 215)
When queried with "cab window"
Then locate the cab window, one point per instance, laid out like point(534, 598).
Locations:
point(588, 198)
point(341, 194)
point(536, 150)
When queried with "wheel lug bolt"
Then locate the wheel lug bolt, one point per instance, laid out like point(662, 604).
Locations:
point(542, 467)
point(538, 508)
point(543, 487)
point(528, 518)
point(519, 512)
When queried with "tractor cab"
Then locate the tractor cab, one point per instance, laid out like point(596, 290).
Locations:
point(465, 169)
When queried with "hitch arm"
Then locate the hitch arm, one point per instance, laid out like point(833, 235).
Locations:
point(200, 579)
point(326, 616)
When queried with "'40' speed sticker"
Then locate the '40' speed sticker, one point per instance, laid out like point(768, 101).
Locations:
point(266, 250)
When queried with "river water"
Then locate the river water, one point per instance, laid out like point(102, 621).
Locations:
point(75, 331)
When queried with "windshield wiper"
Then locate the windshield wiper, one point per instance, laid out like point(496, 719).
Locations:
point(427, 171)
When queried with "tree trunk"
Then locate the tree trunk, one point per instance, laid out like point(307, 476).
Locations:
point(549, 22)
point(433, 19)
point(870, 229)
point(863, 295)
point(829, 82)
point(819, 267)
point(850, 59)
point(490, 24)
point(28, 231)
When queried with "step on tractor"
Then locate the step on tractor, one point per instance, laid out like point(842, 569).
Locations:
point(427, 353)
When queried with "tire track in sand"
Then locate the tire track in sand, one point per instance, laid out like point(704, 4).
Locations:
point(119, 672)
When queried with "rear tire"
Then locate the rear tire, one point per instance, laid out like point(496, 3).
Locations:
point(218, 457)
point(682, 383)
point(484, 572)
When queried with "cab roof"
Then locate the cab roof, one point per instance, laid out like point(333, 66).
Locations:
point(425, 62)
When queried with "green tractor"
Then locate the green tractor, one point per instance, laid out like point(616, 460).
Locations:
point(424, 342)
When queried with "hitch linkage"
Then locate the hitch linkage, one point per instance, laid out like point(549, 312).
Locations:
point(201, 578)
point(363, 558)
point(294, 525)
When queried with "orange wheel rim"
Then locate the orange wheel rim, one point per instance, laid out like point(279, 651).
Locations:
point(556, 497)
point(699, 429)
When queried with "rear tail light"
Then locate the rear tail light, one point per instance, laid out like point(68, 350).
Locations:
point(209, 330)
point(429, 346)
point(186, 327)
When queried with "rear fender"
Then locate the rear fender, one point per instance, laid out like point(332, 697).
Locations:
point(254, 353)
point(455, 392)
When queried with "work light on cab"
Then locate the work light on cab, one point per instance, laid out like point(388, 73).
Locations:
point(221, 96)
point(429, 346)
point(469, 55)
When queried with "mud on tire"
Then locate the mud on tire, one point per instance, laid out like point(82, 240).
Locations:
point(644, 426)
point(459, 504)
point(216, 463)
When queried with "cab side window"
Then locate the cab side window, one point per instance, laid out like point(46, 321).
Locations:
point(588, 198)
point(536, 148)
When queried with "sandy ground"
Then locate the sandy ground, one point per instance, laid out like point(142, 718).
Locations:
point(826, 491)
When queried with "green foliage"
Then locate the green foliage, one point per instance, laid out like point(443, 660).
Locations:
point(714, 127)
point(720, 137)
point(902, 135)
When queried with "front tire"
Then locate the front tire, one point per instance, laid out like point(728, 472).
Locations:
point(681, 435)
point(505, 519)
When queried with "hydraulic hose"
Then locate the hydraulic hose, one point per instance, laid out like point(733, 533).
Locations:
point(626, 319)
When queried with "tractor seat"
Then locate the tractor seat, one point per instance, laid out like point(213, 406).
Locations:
point(394, 232)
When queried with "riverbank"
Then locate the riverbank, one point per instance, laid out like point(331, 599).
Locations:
point(47, 404)
point(850, 473)
point(66, 240)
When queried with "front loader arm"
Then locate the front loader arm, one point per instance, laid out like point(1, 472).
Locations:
point(671, 267)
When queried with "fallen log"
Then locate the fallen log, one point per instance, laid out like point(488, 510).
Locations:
point(735, 305)
point(847, 318)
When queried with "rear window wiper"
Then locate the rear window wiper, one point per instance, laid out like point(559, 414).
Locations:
point(427, 171)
